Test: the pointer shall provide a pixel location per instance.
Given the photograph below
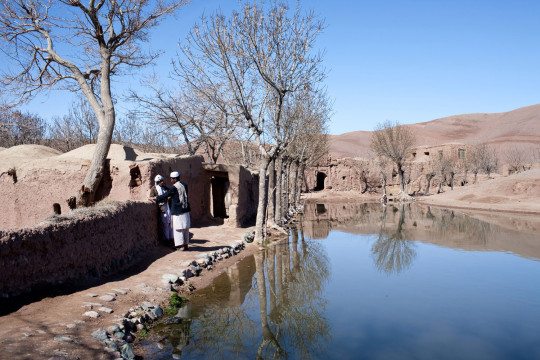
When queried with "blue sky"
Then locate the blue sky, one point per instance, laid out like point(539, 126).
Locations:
point(409, 61)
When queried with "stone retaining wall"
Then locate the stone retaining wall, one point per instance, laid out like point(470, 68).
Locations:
point(89, 241)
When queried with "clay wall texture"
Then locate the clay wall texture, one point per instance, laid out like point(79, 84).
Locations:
point(95, 240)
point(243, 192)
point(41, 182)
point(40, 248)
point(344, 174)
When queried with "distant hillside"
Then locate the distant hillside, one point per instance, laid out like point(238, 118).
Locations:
point(520, 127)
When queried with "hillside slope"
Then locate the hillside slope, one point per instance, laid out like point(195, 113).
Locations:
point(520, 127)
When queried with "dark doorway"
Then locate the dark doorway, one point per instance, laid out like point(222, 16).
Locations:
point(320, 209)
point(220, 186)
point(321, 177)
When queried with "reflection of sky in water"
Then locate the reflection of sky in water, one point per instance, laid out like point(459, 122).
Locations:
point(337, 298)
point(449, 304)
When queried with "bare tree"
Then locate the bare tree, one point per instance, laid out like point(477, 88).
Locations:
point(66, 44)
point(452, 167)
point(516, 159)
point(441, 165)
point(430, 172)
point(176, 113)
point(362, 168)
point(309, 113)
point(85, 118)
point(464, 166)
point(64, 133)
point(476, 162)
point(381, 163)
point(394, 141)
point(17, 128)
point(79, 127)
point(488, 158)
point(258, 58)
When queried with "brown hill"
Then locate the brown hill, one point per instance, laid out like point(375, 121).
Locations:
point(516, 128)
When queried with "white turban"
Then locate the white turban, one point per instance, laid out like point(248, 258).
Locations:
point(158, 178)
point(175, 174)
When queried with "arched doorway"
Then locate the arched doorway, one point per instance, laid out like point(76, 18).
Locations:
point(321, 177)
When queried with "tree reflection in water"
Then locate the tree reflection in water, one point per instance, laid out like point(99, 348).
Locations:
point(288, 285)
point(295, 324)
point(393, 253)
point(272, 305)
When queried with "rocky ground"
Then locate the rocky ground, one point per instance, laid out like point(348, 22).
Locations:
point(72, 325)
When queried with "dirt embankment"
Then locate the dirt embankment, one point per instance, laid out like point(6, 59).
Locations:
point(29, 331)
point(519, 193)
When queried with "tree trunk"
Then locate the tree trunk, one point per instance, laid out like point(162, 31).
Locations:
point(441, 181)
point(383, 182)
point(475, 177)
point(279, 171)
point(263, 197)
point(294, 184)
point(268, 335)
point(285, 189)
point(402, 184)
point(365, 181)
point(272, 192)
point(106, 119)
point(452, 181)
point(428, 179)
point(300, 182)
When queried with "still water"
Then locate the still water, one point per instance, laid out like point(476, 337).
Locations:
point(362, 281)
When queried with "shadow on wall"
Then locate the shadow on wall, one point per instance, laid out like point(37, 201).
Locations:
point(86, 243)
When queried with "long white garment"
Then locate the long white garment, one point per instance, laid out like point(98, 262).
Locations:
point(166, 227)
point(165, 203)
point(181, 224)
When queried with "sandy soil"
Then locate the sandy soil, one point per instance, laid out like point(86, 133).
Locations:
point(29, 331)
point(519, 193)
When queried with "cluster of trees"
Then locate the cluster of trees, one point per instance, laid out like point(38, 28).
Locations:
point(68, 44)
point(254, 77)
point(80, 127)
point(257, 71)
point(392, 145)
point(18, 128)
point(446, 168)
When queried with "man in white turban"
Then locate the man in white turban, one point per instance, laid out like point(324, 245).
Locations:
point(165, 212)
point(180, 209)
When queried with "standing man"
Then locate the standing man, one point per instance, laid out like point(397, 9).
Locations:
point(164, 209)
point(179, 211)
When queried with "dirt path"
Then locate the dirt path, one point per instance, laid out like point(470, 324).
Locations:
point(30, 331)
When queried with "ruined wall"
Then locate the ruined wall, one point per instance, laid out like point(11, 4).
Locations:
point(341, 174)
point(345, 174)
point(71, 246)
point(243, 192)
point(191, 173)
point(28, 197)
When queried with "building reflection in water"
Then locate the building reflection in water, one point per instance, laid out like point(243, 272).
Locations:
point(397, 225)
point(272, 304)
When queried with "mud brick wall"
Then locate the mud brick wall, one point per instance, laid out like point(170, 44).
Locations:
point(86, 242)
